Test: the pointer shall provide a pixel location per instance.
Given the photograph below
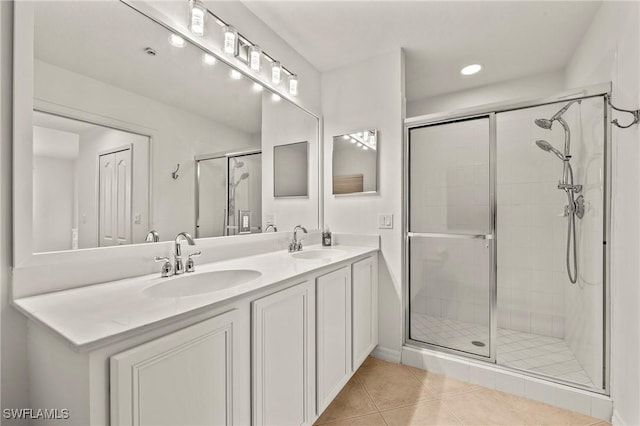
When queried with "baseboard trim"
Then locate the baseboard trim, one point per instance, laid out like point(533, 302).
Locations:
point(616, 420)
point(387, 354)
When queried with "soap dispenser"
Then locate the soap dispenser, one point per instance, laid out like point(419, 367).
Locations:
point(326, 237)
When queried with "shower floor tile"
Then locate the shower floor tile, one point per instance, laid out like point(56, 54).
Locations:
point(516, 349)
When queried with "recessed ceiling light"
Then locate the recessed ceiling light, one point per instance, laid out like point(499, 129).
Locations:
point(471, 69)
point(176, 40)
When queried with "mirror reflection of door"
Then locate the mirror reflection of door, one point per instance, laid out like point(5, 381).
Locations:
point(245, 191)
point(212, 193)
point(90, 184)
point(114, 198)
point(226, 185)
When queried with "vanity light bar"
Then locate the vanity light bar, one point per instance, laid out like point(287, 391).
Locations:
point(254, 54)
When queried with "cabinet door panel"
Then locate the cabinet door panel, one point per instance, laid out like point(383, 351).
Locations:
point(334, 334)
point(183, 378)
point(283, 356)
point(365, 309)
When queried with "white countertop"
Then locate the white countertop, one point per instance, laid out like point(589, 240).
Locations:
point(88, 316)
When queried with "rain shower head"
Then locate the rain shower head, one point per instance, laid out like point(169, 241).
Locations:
point(546, 146)
point(546, 123)
point(543, 123)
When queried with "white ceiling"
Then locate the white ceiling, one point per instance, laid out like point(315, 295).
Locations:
point(105, 40)
point(511, 39)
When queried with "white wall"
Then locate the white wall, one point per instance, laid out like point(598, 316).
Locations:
point(14, 391)
point(53, 203)
point(283, 123)
point(610, 51)
point(535, 86)
point(177, 136)
point(369, 95)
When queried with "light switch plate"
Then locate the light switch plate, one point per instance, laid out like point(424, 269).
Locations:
point(385, 221)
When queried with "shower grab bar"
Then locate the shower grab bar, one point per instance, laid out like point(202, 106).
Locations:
point(464, 236)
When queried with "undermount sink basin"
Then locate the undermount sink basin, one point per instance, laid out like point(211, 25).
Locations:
point(318, 254)
point(207, 282)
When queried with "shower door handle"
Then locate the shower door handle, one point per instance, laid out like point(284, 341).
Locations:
point(440, 235)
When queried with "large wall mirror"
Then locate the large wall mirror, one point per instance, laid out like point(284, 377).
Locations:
point(355, 163)
point(133, 132)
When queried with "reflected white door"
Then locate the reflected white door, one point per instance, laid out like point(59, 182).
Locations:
point(114, 198)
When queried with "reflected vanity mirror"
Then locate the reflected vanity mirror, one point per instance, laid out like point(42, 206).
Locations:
point(291, 170)
point(135, 131)
point(355, 163)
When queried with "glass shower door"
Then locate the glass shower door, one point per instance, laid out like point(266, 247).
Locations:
point(451, 236)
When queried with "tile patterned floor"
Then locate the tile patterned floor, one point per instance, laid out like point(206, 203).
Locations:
point(527, 351)
point(383, 393)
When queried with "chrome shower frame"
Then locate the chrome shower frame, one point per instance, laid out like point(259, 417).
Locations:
point(490, 110)
point(228, 156)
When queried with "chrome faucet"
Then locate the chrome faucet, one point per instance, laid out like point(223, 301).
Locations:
point(296, 245)
point(271, 226)
point(178, 269)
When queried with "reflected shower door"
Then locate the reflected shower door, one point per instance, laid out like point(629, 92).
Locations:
point(451, 236)
point(212, 196)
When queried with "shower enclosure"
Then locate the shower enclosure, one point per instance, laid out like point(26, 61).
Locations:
point(506, 230)
point(225, 184)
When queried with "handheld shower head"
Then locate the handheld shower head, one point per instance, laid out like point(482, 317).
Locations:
point(242, 177)
point(546, 146)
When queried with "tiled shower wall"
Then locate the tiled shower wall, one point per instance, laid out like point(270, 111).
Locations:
point(450, 195)
point(534, 291)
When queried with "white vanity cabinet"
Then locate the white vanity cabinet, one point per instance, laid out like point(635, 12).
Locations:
point(187, 377)
point(364, 297)
point(275, 356)
point(283, 356)
point(333, 292)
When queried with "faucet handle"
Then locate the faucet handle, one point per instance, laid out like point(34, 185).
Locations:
point(167, 269)
point(191, 266)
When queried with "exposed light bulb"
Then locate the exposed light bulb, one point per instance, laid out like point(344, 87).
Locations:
point(365, 136)
point(230, 40)
point(255, 58)
point(236, 75)
point(198, 17)
point(293, 85)
point(257, 87)
point(176, 40)
point(276, 72)
point(208, 59)
point(275, 97)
